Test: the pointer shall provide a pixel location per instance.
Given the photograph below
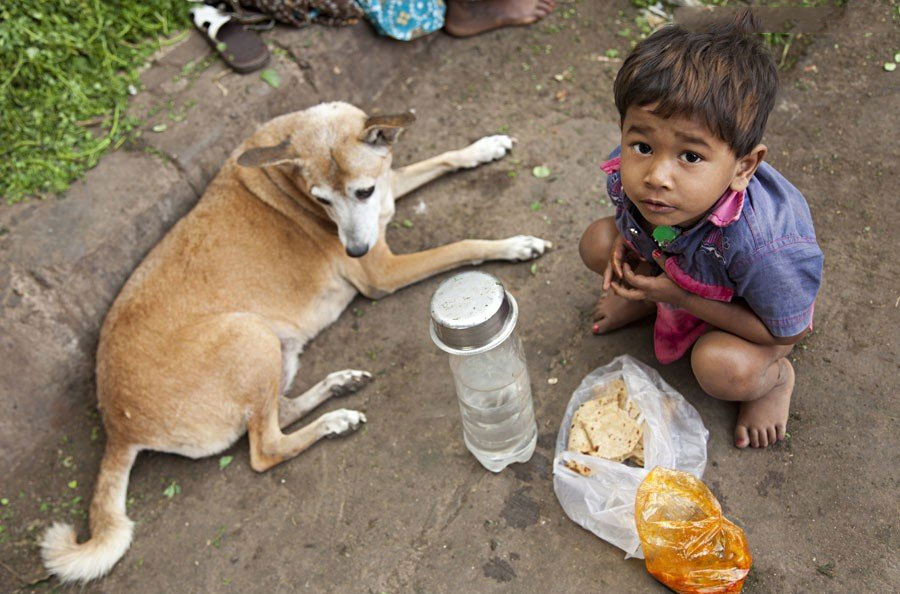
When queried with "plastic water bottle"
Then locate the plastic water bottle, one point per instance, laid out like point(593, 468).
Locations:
point(473, 318)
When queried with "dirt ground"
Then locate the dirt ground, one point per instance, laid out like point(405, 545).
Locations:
point(400, 506)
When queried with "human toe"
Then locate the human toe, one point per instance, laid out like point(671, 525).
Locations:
point(741, 437)
point(772, 434)
point(754, 437)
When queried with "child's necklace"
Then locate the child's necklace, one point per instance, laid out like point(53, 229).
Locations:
point(663, 235)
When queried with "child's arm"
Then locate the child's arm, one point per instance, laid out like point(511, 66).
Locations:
point(734, 318)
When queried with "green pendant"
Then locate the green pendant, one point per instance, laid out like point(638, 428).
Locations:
point(664, 235)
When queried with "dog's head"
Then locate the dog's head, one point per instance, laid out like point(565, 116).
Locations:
point(341, 159)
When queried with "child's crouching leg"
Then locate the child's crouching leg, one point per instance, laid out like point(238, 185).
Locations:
point(728, 367)
point(596, 243)
point(610, 311)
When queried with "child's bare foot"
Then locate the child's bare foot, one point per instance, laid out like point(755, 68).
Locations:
point(613, 312)
point(466, 17)
point(763, 421)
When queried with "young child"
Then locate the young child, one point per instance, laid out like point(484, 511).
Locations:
point(706, 234)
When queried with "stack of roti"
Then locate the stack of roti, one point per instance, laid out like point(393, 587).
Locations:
point(607, 426)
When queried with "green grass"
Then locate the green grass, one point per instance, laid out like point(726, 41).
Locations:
point(65, 71)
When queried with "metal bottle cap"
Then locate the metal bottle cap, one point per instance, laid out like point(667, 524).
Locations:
point(472, 313)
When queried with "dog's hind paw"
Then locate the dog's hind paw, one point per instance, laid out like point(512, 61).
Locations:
point(525, 247)
point(341, 383)
point(338, 422)
point(485, 150)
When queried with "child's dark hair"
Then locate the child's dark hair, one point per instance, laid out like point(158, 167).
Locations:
point(722, 75)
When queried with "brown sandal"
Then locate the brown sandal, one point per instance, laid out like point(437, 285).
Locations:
point(239, 47)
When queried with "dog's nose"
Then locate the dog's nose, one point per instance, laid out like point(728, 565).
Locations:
point(364, 193)
point(357, 251)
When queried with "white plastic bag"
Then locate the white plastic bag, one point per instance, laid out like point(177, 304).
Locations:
point(674, 437)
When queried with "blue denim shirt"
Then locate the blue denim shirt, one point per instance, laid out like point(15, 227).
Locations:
point(758, 245)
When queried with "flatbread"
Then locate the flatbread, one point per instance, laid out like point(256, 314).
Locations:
point(578, 467)
point(608, 426)
point(578, 439)
point(637, 454)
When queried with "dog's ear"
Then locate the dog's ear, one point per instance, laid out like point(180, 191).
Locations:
point(267, 155)
point(384, 129)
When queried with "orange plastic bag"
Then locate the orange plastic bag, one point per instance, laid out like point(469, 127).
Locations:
point(688, 544)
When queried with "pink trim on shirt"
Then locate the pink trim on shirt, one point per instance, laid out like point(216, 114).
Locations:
point(727, 209)
point(611, 166)
point(686, 282)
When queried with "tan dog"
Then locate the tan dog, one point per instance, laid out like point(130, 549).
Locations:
point(202, 343)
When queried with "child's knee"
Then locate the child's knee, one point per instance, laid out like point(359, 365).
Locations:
point(721, 370)
point(596, 243)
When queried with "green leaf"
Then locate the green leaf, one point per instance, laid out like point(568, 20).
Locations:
point(172, 490)
point(217, 539)
point(897, 57)
point(890, 66)
point(612, 53)
point(533, 269)
point(271, 77)
point(160, 127)
point(73, 484)
point(535, 206)
point(541, 171)
point(224, 461)
point(4, 501)
point(407, 224)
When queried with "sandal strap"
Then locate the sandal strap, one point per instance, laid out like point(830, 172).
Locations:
point(209, 19)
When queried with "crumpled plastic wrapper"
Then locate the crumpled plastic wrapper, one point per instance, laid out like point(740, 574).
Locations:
point(674, 437)
point(688, 544)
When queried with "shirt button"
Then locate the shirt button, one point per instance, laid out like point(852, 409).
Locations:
point(634, 231)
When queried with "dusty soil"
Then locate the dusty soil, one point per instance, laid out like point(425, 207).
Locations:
point(401, 506)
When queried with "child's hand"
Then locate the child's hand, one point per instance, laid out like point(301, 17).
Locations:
point(641, 287)
point(618, 256)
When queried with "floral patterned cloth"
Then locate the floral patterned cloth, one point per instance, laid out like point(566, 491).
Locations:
point(404, 19)
point(300, 13)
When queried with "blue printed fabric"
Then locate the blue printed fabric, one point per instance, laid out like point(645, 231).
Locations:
point(404, 19)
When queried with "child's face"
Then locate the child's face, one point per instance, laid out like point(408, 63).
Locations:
point(674, 169)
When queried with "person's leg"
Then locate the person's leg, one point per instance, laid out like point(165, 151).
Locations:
point(471, 17)
point(610, 311)
point(760, 377)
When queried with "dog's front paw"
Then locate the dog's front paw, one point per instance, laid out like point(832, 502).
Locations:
point(525, 247)
point(340, 421)
point(341, 383)
point(485, 150)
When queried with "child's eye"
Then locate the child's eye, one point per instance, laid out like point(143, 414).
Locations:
point(642, 148)
point(690, 157)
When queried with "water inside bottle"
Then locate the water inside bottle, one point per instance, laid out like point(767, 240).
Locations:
point(497, 412)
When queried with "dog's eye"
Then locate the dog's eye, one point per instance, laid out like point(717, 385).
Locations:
point(365, 193)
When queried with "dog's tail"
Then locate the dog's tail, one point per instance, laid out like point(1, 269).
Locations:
point(110, 527)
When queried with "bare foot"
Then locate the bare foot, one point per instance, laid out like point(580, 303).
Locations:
point(613, 312)
point(763, 421)
point(467, 17)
